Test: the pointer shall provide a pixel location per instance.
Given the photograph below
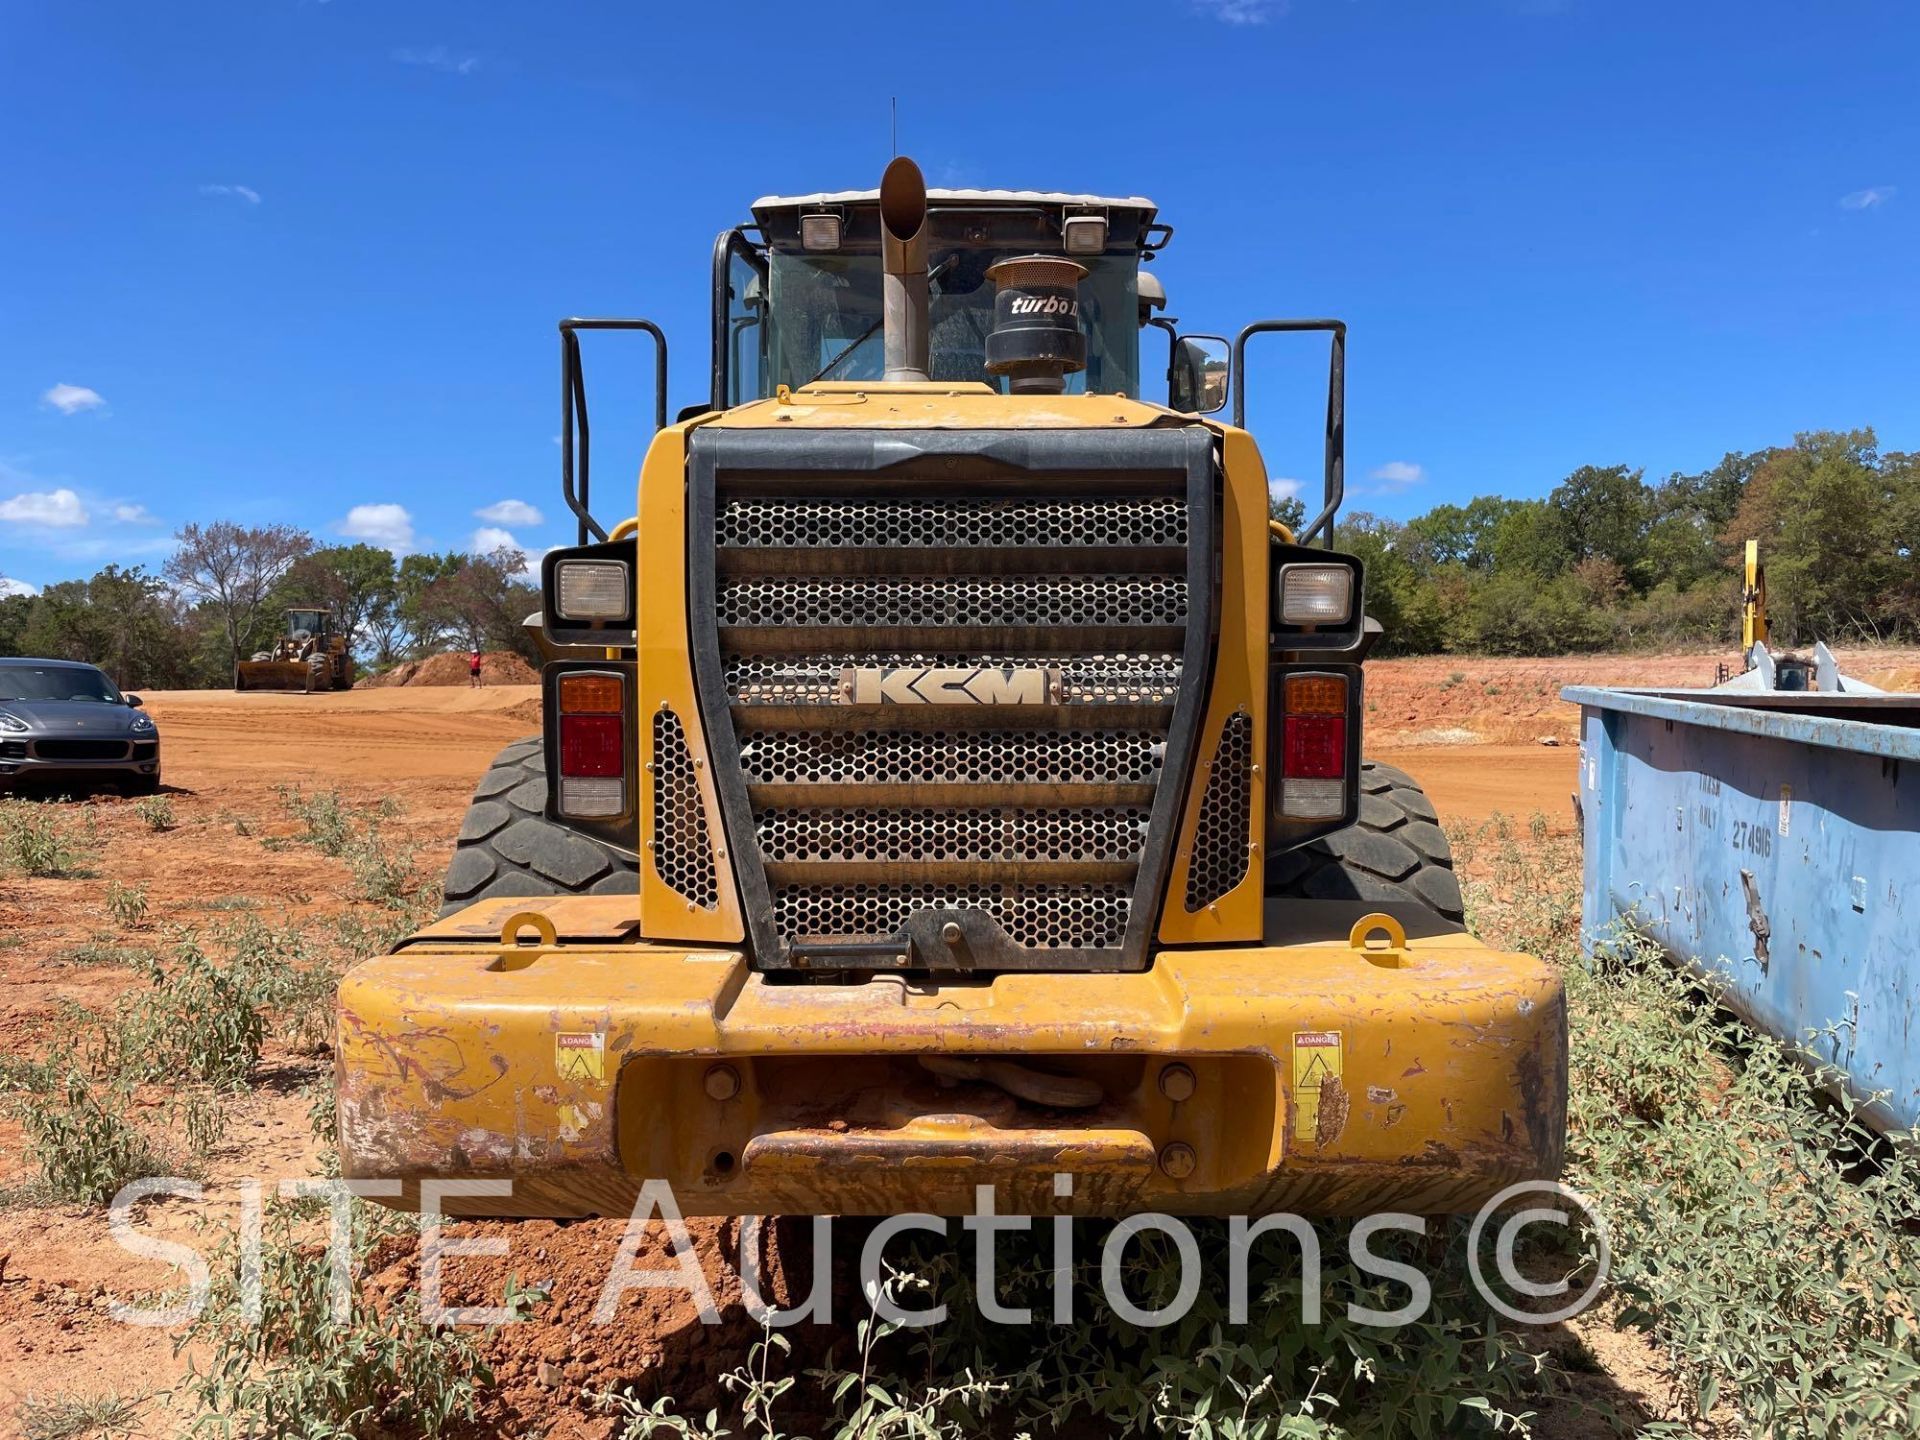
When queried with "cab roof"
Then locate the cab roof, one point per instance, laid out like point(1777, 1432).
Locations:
point(1144, 207)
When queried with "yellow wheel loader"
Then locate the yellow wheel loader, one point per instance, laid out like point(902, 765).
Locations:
point(309, 656)
point(951, 777)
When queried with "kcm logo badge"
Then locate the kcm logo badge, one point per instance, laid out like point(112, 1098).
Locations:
point(933, 685)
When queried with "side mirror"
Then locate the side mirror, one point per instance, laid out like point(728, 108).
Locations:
point(133, 701)
point(1198, 381)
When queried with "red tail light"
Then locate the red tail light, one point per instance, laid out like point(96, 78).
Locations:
point(1315, 747)
point(590, 746)
point(1315, 781)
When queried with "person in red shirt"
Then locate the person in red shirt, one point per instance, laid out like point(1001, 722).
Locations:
point(473, 671)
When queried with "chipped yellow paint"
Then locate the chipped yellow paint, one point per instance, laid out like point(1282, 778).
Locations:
point(446, 1066)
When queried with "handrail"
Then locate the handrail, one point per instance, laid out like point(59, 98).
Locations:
point(1335, 484)
point(573, 411)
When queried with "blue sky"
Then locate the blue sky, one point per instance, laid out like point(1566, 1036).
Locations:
point(274, 260)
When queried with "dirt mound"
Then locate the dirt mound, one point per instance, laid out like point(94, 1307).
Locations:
point(398, 675)
point(497, 667)
point(654, 1342)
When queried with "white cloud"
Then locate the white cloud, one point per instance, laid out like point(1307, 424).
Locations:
point(1241, 12)
point(387, 525)
point(55, 509)
point(489, 538)
point(438, 57)
point(72, 399)
point(1397, 475)
point(235, 192)
point(16, 587)
point(510, 512)
point(1284, 488)
point(134, 515)
point(1870, 198)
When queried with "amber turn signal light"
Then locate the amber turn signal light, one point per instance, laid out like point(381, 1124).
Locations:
point(590, 695)
point(1316, 695)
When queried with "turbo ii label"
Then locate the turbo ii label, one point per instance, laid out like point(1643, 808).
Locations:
point(920, 685)
point(1066, 306)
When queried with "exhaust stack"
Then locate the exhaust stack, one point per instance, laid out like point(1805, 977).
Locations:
point(903, 253)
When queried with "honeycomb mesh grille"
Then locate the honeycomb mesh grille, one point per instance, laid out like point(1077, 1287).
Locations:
point(1038, 917)
point(1112, 600)
point(1089, 680)
point(873, 803)
point(973, 757)
point(1113, 834)
point(943, 524)
point(682, 853)
point(1220, 841)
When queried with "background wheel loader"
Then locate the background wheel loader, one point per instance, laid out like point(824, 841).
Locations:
point(308, 657)
point(951, 776)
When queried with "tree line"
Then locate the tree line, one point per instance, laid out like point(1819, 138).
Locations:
point(220, 597)
point(1606, 561)
point(1609, 561)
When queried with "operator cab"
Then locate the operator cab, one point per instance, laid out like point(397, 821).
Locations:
point(313, 622)
point(798, 292)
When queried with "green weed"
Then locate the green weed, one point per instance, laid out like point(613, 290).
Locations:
point(127, 904)
point(197, 1020)
point(156, 812)
point(79, 1136)
point(324, 816)
point(103, 952)
point(37, 839)
point(78, 1417)
point(283, 979)
point(293, 1371)
point(383, 870)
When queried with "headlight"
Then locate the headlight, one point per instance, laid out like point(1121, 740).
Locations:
point(591, 590)
point(142, 725)
point(1315, 594)
point(11, 722)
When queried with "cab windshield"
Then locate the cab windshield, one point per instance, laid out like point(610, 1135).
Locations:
point(824, 320)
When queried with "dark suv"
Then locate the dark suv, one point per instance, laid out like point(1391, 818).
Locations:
point(62, 720)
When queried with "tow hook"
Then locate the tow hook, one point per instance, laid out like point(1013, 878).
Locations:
point(1036, 1087)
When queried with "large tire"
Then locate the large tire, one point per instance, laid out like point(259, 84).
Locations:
point(1395, 851)
point(508, 847)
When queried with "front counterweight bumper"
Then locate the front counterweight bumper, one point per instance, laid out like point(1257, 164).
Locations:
point(1306, 1075)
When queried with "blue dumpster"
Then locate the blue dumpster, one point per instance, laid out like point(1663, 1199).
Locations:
point(1771, 843)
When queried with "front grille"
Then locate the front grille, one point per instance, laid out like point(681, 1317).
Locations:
point(944, 602)
point(858, 594)
point(80, 749)
point(774, 680)
point(954, 756)
point(1033, 917)
point(976, 524)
